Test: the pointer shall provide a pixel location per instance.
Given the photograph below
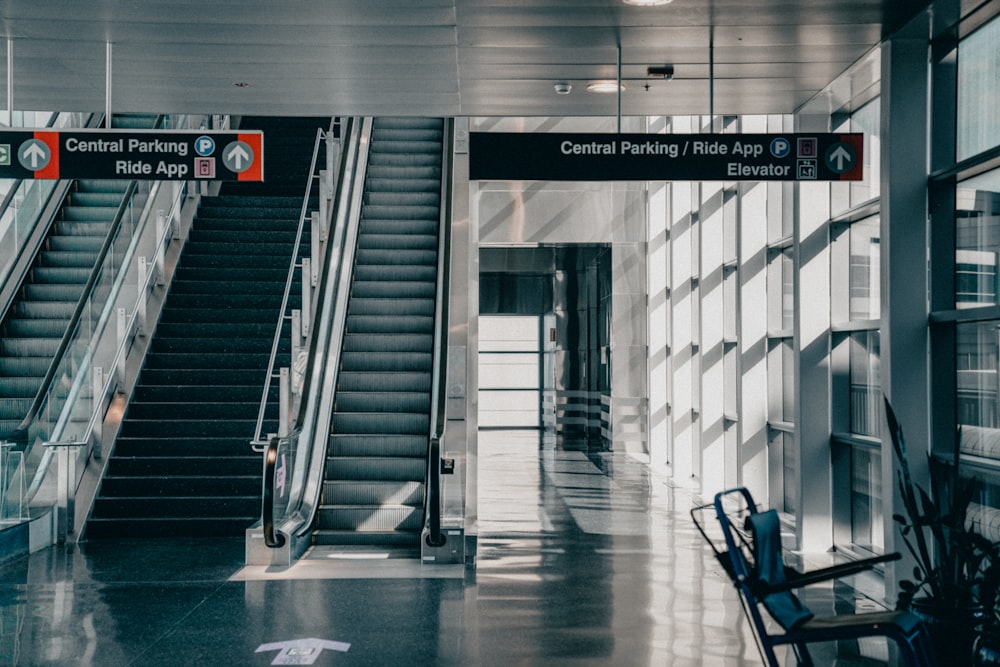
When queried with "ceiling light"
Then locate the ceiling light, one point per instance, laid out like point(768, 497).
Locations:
point(647, 3)
point(604, 87)
point(563, 88)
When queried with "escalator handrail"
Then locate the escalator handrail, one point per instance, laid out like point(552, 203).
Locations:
point(97, 414)
point(20, 434)
point(308, 440)
point(439, 370)
point(271, 538)
point(290, 279)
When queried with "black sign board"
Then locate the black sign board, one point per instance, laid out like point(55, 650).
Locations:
point(665, 157)
point(132, 154)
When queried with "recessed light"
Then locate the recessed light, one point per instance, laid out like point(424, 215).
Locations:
point(647, 3)
point(241, 84)
point(563, 88)
point(604, 87)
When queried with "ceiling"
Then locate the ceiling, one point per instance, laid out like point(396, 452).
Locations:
point(432, 57)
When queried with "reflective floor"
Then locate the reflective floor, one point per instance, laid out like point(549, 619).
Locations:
point(583, 559)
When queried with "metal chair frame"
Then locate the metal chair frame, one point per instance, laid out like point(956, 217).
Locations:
point(736, 555)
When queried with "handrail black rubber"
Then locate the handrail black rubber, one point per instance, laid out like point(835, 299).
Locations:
point(271, 539)
point(20, 434)
point(432, 510)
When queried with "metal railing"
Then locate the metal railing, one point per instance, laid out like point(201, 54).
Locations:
point(301, 471)
point(300, 319)
point(439, 370)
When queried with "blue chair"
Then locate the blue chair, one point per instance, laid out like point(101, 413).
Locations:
point(749, 550)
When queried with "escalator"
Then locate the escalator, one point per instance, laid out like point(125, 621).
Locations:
point(34, 324)
point(181, 464)
point(374, 486)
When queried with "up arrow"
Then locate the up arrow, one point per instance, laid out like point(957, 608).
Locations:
point(34, 153)
point(839, 156)
point(237, 155)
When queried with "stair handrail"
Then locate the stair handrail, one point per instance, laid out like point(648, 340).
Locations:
point(439, 367)
point(308, 441)
point(259, 442)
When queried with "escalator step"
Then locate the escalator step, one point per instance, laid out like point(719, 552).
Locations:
point(29, 347)
point(373, 493)
point(385, 469)
point(399, 402)
point(26, 328)
point(376, 518)
point(385, 362)
point(398, 242)
point(388, 342)
point(383, 258)
point(405, 273)
point(62, 310)
point(19, 387)
point(395, 381)
point(376, 324)
point(392, 307)
point(15, 408)
point(380, 422)
point(358, 445)
point(384, 289)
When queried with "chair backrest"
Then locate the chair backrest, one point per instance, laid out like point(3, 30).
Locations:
point(769, 570)
point(753, 545)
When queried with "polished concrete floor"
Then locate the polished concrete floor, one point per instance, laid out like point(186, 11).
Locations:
point(583, 559)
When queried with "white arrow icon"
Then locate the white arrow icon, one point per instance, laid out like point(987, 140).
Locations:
point(840, 158)
point(34, 155)
point(237, 155)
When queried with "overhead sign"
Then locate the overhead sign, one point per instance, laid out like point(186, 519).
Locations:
point(665, 157)
point(132, 154)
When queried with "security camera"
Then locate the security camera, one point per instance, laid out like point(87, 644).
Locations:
point(661, 71)
point(563, 88)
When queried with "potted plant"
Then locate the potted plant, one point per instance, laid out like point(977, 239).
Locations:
point(952, 559)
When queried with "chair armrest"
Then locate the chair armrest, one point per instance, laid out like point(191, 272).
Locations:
point(799, 579)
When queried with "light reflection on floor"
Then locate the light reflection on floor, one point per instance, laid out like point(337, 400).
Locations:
point(584, 559)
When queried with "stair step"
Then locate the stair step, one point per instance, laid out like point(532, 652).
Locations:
point(187, 526)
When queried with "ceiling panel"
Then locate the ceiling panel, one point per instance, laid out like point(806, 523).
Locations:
point(434, 57)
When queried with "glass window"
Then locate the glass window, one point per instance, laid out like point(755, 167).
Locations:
point(867, 120)
point(979, 91)
point(863, 280)
point(977, 240)
point(866, 388)
point(866, 499)
point(976, 368)
point(787, 290)
point(790, 465)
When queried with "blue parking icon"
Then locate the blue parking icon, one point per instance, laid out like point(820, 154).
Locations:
point(204, 145)
point(780, 147)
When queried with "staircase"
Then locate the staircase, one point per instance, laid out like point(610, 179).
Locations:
point(182, 464)
point(373, 493)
